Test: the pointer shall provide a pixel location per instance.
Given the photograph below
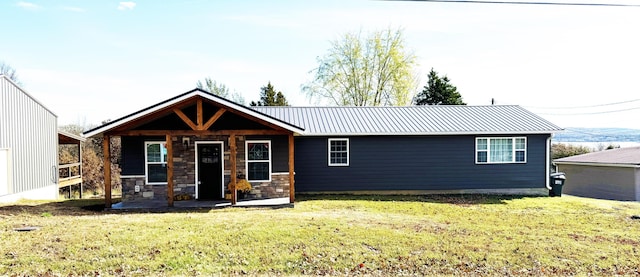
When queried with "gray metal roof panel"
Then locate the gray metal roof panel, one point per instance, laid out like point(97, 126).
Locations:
point(627, 155)
point(412, 120)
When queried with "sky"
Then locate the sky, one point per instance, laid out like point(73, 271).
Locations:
point(89, 61)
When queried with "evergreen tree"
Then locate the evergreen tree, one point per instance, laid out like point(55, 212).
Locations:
point(438, 91)
point(269, 97)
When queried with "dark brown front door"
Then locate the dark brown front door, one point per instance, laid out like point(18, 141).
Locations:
point(209, 171)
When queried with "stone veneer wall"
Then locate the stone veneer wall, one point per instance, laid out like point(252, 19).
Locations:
point(184, 165)
point(277, 188)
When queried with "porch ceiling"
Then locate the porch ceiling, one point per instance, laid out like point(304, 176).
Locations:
point(69, 138)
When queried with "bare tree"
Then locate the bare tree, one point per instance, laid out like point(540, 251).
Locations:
point(7, 70)
point(371, 70)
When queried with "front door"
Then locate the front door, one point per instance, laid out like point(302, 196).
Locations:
point(209, 171)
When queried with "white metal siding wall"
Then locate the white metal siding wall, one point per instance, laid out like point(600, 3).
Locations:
point(4, 171)
point(30, 131)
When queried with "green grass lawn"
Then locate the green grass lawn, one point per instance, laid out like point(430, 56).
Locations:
point(333, 235)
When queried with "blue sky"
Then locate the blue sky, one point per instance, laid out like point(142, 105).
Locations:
point(94, 60)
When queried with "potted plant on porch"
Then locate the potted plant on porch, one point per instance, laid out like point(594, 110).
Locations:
point(243, 187)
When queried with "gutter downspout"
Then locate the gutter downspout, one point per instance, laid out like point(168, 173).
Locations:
point(548, 163)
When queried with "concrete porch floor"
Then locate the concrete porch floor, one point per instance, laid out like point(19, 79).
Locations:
point(197, 204)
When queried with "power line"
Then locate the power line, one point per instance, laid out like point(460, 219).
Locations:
point(583, 107)
point(592, 113)
point(526, 3)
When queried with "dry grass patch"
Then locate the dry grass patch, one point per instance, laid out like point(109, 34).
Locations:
point(333, 235)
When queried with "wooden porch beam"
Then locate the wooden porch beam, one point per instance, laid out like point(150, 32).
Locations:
point(199, 113)
point(107, 171)
point(197, 132)
point(185, 118)
point(213, 118)
point(232, 161)
point(169, 147)
point(292, 190)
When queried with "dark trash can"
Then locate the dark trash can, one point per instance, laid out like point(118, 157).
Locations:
point(556, 181)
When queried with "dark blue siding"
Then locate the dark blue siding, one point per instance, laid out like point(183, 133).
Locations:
point(414, 163)
point(133, 154)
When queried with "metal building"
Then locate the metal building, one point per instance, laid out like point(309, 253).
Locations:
point(610, 174)
point(28, 146)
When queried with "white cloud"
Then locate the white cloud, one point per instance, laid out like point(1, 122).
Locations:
point(126, 6)
point(74, 9)
point(28, 6)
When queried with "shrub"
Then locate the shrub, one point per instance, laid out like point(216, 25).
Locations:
point(561, 150)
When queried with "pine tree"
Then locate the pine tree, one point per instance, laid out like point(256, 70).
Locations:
point(438, 91)
point(269, 97)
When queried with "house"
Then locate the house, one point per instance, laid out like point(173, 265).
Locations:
point(609, 174)
point(199, 145)
point(28, 146)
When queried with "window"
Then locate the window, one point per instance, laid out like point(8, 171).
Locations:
point(156, 162)
point(338, 152)
point(501, 150)
point(258, 157)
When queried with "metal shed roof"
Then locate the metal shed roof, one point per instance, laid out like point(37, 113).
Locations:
point(413, 120)
point(629, 156)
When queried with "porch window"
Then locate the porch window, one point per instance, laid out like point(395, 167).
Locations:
point(156, 162)
point(501, 150)
point(258, 157)
point(339, 152)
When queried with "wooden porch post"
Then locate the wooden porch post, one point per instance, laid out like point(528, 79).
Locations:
point(292, 190)
point(107, 171)
point(232, 161)
point(169, 146)
point(80, 166)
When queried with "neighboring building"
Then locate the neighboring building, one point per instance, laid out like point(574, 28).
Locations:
point(609, 174)
point(70, 172)
point(28, 146)
point(196, 144)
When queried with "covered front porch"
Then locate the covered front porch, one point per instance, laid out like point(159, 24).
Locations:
point(198, 147)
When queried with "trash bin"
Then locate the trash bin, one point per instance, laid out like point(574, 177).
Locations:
point(556, 181)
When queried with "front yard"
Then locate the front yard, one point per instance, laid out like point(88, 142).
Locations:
point(334, 235)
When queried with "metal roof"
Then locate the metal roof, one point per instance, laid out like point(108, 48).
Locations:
point(66, 137)
point(413, 120)
point(620, 156)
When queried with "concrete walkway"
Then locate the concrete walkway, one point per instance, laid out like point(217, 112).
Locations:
point(197, 204)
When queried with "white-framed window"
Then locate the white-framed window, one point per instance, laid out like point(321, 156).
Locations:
point(155, 160)
point(501, 150)
point(258, 160)
point(338, 149)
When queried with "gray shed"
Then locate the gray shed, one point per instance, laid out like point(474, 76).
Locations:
point(28, 146)
point(610, 174)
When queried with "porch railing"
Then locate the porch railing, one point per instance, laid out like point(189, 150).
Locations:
point(69, 174)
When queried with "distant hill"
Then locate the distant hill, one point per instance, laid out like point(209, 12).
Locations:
point(597, 135)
